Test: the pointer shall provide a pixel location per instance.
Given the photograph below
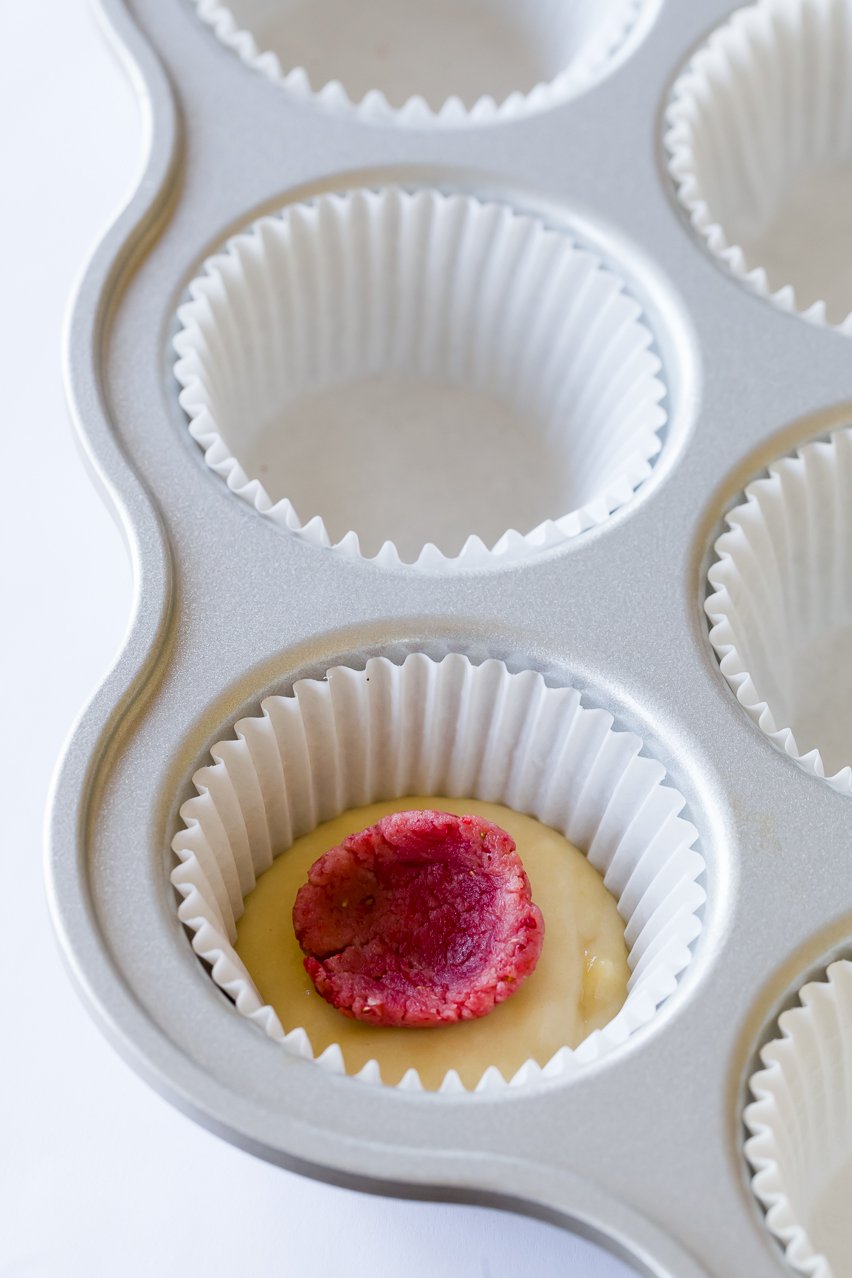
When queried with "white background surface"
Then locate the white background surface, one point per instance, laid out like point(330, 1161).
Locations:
point(98, 1175)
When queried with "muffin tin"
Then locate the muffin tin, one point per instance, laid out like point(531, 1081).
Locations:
point(643, 1148)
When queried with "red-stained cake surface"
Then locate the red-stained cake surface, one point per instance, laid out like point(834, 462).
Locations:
point(422, 920)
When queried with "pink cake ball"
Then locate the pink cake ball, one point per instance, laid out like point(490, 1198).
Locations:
point(424, 919)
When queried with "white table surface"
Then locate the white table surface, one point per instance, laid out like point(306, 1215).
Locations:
point(98, 1175)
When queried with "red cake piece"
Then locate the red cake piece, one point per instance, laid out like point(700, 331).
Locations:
point(421, 920)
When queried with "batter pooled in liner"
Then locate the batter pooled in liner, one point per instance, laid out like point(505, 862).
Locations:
point(579, 983)
point(423, 919)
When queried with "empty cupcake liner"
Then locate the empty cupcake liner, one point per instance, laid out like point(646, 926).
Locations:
point(423, 363)
point(781, 613)
point(447, 67)
point(801, 1128)
point(760, 143)
point(453, 729)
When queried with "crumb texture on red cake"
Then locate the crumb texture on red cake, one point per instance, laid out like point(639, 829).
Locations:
point(421, 920)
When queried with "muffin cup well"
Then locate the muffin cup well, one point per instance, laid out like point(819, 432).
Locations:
point(421, 375)
point(781, 611)
point(427, 67)
point(760, 140)
point(454, 729)
point(801, 1125)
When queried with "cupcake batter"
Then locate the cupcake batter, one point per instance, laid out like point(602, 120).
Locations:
point(579, 984)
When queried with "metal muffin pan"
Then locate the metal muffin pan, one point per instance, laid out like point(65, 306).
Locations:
point(643, 1150)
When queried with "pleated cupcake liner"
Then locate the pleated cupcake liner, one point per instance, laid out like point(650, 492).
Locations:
point(605, 29)
point(765, 101)
point(444, 288)
point(456, 730)
point(801, 1125)
point(782, 581)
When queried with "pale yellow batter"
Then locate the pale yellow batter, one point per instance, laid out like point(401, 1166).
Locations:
point(579, 984)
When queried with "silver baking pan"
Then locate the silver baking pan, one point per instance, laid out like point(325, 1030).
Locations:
point(642, 1151)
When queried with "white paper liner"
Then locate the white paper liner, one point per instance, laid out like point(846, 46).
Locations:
point(781, 613)
point(453, 729)
point(452, 293)
point(801, 1125)
point(578, 40)
point(760, 140)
